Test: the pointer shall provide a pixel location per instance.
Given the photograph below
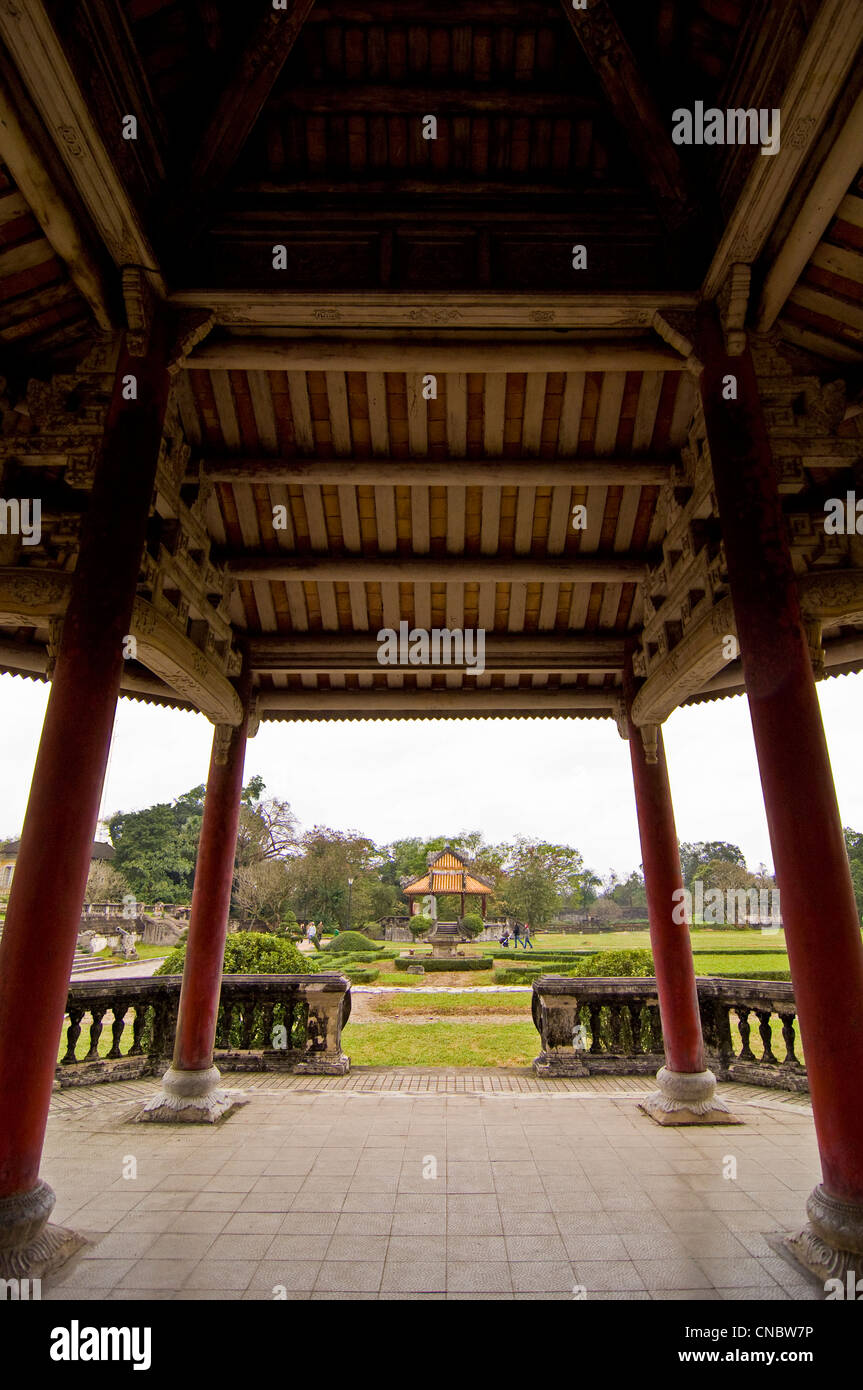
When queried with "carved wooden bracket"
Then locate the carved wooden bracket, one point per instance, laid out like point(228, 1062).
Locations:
point(191, 328)
point(733, 301)
point(222, 743)
point(677, 328)
point(650, 740)
point(140, 296)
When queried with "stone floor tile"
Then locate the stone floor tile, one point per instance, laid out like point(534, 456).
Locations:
point(543, 1276)
point(413, 1276)
point(606, 1276)
point(478, 1276)
point(421, 1249)
point(157, 1274)
point(229, 1277)
point(349, 1276)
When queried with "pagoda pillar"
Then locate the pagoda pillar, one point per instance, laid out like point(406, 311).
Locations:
point(687, 1088)
point(190, 1087)
point(822, 928)
point(44, 911)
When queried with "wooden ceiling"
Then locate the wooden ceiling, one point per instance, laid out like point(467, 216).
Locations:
point(303, 387)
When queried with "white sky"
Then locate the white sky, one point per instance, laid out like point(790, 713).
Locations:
point(567, 781)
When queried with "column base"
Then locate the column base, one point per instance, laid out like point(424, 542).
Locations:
point(30, 1248)
point(687, 1098)
point(191, 1097)
point(830, 1246)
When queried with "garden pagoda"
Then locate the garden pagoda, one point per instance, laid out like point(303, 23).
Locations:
point(448, 872)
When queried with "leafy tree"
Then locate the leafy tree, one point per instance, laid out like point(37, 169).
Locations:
point(319, 875)
point(156, 848)
point(694, 858)
point(722, 873)
point(631, 892)
point(854, 846)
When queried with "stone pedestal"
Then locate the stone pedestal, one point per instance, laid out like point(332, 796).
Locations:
point(30, 1248)
point(687, 1098)
point(191, 1097)
point(830, 1246)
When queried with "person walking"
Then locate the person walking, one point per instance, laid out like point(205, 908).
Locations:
point(525, 937)
point(515, 932)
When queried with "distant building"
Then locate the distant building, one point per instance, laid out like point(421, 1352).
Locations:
point(9, 855)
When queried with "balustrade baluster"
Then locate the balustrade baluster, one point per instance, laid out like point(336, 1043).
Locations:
point(136, 1050)
point(789, 1038)
point(746, 1054)
point(616, 1025)
point(74, 1033)
point(764, 1016)
point(96, 1026)
point(635, 1024)
point(595, 1027)
point(248, 1024)
point(656, 1040)
point(117, 1026)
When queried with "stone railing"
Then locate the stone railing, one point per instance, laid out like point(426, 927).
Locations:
point(118, 1029)
point(592, 1026)
point(109, 911)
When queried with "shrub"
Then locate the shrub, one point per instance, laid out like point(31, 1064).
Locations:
point(360, 977)
point(524, 976)
point(457, 963)
point(472, 923)
point(610, 963)
point(348, 942)
point(373, 930)
point(419, 925)
point(248, 953)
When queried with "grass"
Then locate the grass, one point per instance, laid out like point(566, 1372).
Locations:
point(145, 952)
point(459, 1005)
point(441, 1045)
point(640, 940)
point(440, 978)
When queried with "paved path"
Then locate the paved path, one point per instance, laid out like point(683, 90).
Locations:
point(137, 970)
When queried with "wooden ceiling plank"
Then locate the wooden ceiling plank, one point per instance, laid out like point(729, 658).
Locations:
point(316, 517)
point(534, 411)
point(242, 99)
point(247, 515)
point(265, 415)
point(297, 605)
point(385, 517)
point(684, 404)
point(649, 394)
point(225, 409)
point(569, 428)
point(298, 390)
point(583, 568)
point(559, 520)
point(340, 415)
point(608, 413)
point(456, 414)
point(279, 497)
point(379, 428)
point(420, 520)
point(418, 438)
point(265, 607)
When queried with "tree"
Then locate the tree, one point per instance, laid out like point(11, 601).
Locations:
point(267, 829)
point(156, 848)
point(105, 884)
point(694, 858)
point(723, 874)
point(631, 892)
point(263, 891)
point(538, 877)
point(854, 846)
point(319, 874)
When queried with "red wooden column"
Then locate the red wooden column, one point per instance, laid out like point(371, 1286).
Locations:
point(822, 929)
point(687, 1088)
point(190, 1089)
point(44, 912)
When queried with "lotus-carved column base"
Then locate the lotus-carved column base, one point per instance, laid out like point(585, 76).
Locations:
point(830, 1246)
point(191, 1097)
point(687, 1098)
point(30, 1248)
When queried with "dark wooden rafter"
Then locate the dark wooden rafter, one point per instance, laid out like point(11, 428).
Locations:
point(500, 472)
point(535, 651)
point(648, 135)
point(243, 98)
point(318, 567)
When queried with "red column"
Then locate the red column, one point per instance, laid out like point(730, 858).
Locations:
point(44, 911)
point(669, 939)
point(211, 896)
point(822, 929)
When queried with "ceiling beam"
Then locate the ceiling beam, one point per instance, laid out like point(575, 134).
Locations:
point(430, 569)
point(397, 355)
point(355, 652)
point(829, 54)
point(378, 98)
point(56, 218)
point(408, 703)
point(647, 133)
point(39, 56)
point(818, 210)
point(242, 100)
point(510, 472)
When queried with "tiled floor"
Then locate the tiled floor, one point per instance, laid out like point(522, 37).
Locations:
point(331, 1191)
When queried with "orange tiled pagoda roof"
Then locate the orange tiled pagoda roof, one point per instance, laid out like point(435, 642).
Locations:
point(448, 873)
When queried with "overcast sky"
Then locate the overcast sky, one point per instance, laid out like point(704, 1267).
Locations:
point(567, 781)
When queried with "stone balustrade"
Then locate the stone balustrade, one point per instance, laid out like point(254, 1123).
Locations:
point(121, 1029)
point(593, 1026)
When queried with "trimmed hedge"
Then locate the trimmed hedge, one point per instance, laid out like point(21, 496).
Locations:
point(361, 977)
point(750, 975)
point(518, 977)
point(347, 942)
point(615, 964)
point(248, 953)
point(459, 963)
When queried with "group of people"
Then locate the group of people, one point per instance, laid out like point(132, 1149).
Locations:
point(519, 933)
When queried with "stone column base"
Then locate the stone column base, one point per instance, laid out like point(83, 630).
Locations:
point(831, 1245)
point(30, 1248)
point(191, 1097)
point(687, 1098)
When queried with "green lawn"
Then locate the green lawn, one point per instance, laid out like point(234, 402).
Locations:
point(441, 1044)
point(459, 1005)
